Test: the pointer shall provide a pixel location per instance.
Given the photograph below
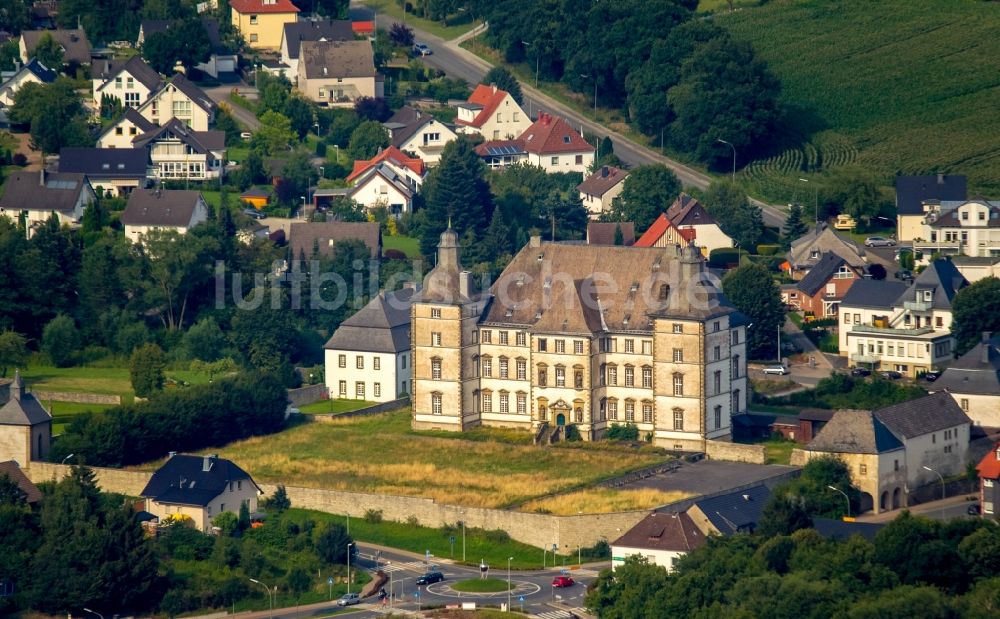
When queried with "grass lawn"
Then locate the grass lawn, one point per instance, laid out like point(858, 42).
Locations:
point(390, 7)
point(475, 585)
point(114, 381)
point(779, 451)
point(602, 500)
point(333, 406)
point(407, 244)
point(63, 412)
point(381, 454)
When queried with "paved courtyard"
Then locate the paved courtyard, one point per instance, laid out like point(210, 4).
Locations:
point(711, 476)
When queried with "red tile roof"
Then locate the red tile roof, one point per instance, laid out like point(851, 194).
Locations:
point(658, 229)
point(363, 27)
point(551, 134)
point(490, 97)
point(989, 466)
point(259, 6)
point(391, 154)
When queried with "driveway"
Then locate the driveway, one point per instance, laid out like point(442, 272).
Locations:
point(221, 94)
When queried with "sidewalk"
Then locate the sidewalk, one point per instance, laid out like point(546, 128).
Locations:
point(809, 349)
point(917, 510)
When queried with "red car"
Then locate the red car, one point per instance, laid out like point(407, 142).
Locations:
point(562, 581)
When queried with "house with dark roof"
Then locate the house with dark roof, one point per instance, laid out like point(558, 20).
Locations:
point(960, 228)
point(730, 513)
point(600, 188)
point(130, 82)
point(973, 380)
point(368, 356)
point(549, 143)
point(12, 470)
point(989, 484)
point(337, 73)
point(661, 538)
point(199, 488)
point(120, 133)
point(162, 209)
point(806, 251)
point(492, 113)
point(262, 22)
point(74, 44)
point(113, 171)
point(179, 98)
point(916, 196)
point(307, 238)
point(822, 289)
point(38, 195)
point(686, 221)
point(895, 449)
point(221, 62)
point(663, 233)
point(413, 131)
point(294, 33)
point(178, 152)
point(910, 333)
point(606, 233)
point(25, 426)
point(32, 72)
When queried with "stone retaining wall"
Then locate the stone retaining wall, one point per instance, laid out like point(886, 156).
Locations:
point(307, 395)
point(736, 452)
point(82, 398)
point(374, 409)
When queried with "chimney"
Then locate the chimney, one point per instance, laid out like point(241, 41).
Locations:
point(940, 178)
point(494, 87)
point(604, 171)
point(986, 347)
point(16, 387)
point(41, 176)
point(465, 284)
point(409, 285)
point(536, 241)
point(207, 462)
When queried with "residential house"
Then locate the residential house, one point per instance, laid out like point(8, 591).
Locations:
point(730, 513)
point(911, 194)
point(368, 357)
point(262, 22)
point(686, 213)
point(973, 380)
point(600, 188)
point(540, 349)
point(807, 250)
point(975, 268)
point(989, 484)
point(337, 73)
point(32, 72)
point(38, 195)
point(44, 14)
point(178, 152)
point(162, 209)
point(893, 450)
point(181, 99)
point(410, 168)
point(364, 29)
point(663, 233)
point(294, 33)
point(554, 146)
point(200, 488)
point(222, 60)
point(661, 538)
point(130, 82)
point(113, 171)
point(606, 233)
point(910, 333)
point(492, 113)
point(307, 238)
point(498, 154)
point(74, 44)
point(25, 426)
point(12, 470)
point(120, 133)
point(421, 134)
point(256, 197)
point(820, 292)
point(960, 228)
point(382, 187)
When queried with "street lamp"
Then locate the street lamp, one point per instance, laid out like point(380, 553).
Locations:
point(322, 171)
point(64, 462)
point(270, 599)
point(349, 567)
point(847, 498)
point(463, 535)
point(587, 76)
point(815, 199)
point(509, 559)
point(927, 468)
point(720, 141)
point(526, 44)
point(93, 612)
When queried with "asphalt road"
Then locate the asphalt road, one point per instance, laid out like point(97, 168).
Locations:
point(220, 94)
point(459, 63)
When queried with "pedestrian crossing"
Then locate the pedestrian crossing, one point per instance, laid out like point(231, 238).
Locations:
point(555, 614)
point(585, 572)
point(416, 566)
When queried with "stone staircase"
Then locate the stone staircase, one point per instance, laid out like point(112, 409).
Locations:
point(548, 435)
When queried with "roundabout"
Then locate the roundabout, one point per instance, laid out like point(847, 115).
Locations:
point(517, 587)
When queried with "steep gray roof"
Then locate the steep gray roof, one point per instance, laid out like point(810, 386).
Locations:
point(328, 30)
point(99, 163)
point(819, 275)
point(331, 59)
point(736, 512)
point(22, 409)
point(911, 191)
point(663, 531)
point(977, 371)
point(183, 480)
point(202, 142)
point(386, 173)
point(74, 42)
point(303, 237)
point(854, 431)
point(132, 115)
point(601, 181)
point(197, 95)
point(873, 294)
point(381, 326)
point(943, 278)
point(136, 66)
point(931, 413)
point(820, 240)
point(161, 207)
point(59, 192)
point(405, 123)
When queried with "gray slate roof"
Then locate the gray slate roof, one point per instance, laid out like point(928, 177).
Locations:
point(736, 512)
point(60, 191)
point(405, 123)
point(161, 207)
point(197, 95)
point(332, 59)
point(873, 294)
point(182, 480)
point(976, 372)
point(132, 115)
point(303, 237)
point(856, 432)
point(819, 275)
point(99, 163)
point(136, 66)
point(22, 409)
point(823, 239)
point(911, 191)
point(663, 531)
point(945, 280)
point(381, 326)
point(931, 413)
point(74, 42)
point(949, 217)
point(386, 173)
point(202, 142)
point(601, 181)
point(327, 30)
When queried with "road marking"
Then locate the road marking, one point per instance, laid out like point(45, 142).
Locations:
point(585, 572)
point(555, 614)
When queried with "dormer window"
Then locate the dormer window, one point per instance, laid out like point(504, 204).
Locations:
point(814, 254)
point(927, 295)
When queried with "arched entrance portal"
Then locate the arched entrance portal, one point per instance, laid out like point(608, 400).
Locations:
point(896, 498)
point(883, 503)
point(561, 419)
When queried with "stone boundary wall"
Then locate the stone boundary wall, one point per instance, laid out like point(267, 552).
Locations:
point(307, 395)
point(80, 398)
point(374, 409)
point(109, 480)
point(736, 452)
point(770, 482)
point(798, 457)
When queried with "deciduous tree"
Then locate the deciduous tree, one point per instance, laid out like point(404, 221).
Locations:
point(504, 80)
point(753, 291)
point(275, 134)
point(731, 208)
point(49, 52)
point(60, 340)
point(367, 140)
point(146, 367)
point(975, 309)
point(648, 191)
point(13, 351)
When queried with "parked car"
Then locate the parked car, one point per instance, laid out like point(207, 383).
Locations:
point(245, 136)
point(904, 275)
point(421, 49)
point(780, 370)
point(860, 372)
point(845, 222)
point(890, 375)
point(254, 213)
point(879, 241)
point(562, 581)
point(430, 578)
point(932, 376)
point(349, 599)
point(974, 509)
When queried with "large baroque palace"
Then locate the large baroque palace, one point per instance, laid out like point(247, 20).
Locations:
point(581, 335)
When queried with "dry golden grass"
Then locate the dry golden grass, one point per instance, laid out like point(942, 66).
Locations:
point(380, 454)
point(603, 500)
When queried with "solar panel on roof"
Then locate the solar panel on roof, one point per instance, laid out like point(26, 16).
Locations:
point(57, 184)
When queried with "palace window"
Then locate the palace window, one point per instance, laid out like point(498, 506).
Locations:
point(359, 362)
point(678, 384)
point(678, 355)
point(578, 347)
point(647, 377)
point(736, 366)
point(717, 382)
point(522, 369)
point(503, 367)
point(679, 419)
point(522, 403)
point(376, 363)
point(560, 346)
point(486, 363)
point(435, 312)
point(678, 327)
point(503, 337)
point(342, 388)
point(647, 412)
point(647, 347)
point(342, 361)
point(377, 390)
point(630, 410)
point(435, 368)
point(520, 338)
point(504, 402)
point(612, 374)
point(487, 401)
point(359, 390)
point(718, 416)
point(486, 337)
point(629, 376)
point(629, 345)
point(543, 344)
point(560, 376)
point(435, 338)
point(435, 403)
point(613, 409)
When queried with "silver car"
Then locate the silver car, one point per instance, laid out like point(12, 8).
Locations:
point(879, 241)
point(780, 370)
point(349, 599)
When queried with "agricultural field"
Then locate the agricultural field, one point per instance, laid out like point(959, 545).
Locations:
point(890, 86)
point(382, 454)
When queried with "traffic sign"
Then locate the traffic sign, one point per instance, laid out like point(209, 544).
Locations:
point(520, 598)
point(329, 580)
